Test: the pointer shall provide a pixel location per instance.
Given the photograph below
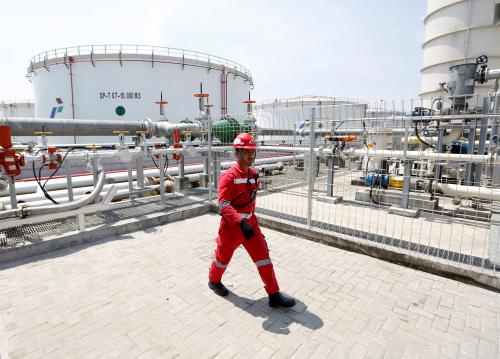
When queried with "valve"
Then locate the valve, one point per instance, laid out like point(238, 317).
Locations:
point(9, 159)
point(52, 159)
point(481, 75)
point(11, 162)
point(177, 144)
point(349, 138)
point(162, 104)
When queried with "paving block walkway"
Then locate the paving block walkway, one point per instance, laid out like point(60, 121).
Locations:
point(145, 295)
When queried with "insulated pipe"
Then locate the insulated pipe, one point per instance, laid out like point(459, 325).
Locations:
point(159, 129)
point(469, 191)
point(60, 194)
point(259, 148)
point(23, 187)
point(39, 198)
point(418, 155)
point(91, 127)
point(453, 136)
point(27, 211)
point(493, 74)
point(69, 127)
point(351, 131)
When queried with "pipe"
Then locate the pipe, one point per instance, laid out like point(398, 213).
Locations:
point(453, 136)
point(259, 148)
point(418, 155)
point(69, 127)
point(165, 129)
point(489, 194)
point(467, 31)
point(72, 91)
point(81, 181)
point(28, 211)
point(350, 131)
point(493, 74)
point(39, 198)
point(92, 127)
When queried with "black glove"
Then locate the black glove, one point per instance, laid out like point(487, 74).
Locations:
point(247, 230)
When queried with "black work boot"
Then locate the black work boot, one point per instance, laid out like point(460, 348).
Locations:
point(280, 300)
point(218, 288)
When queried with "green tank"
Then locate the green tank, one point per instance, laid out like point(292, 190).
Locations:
point(227, 128)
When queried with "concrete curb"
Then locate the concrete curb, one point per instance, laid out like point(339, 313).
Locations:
point(101, 232)
point(347, 243)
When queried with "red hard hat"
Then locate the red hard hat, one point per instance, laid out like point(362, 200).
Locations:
point(244, 140)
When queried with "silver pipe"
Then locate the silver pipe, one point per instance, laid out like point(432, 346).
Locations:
point(69, 127)
point(160, 129)
point(469, 191)
point(417, 155)
point(33, 211)
point(467, 32)
point(493, 74)
point(92, 127)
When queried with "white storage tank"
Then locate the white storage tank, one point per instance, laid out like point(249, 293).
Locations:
point(457, 32)
point(124, 81)
point(17, 108)
point(293, 113)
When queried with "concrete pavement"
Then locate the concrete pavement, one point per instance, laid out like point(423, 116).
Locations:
point(145, 295)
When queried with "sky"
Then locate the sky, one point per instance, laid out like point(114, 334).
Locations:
point(361, 49)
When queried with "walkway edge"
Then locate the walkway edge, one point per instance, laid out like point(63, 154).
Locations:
point(102, 232)
point(356, 245)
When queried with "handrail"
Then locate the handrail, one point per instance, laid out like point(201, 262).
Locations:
point(309, 99)
point(137, 50)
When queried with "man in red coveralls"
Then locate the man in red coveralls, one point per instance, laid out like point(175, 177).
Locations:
point(237, 191)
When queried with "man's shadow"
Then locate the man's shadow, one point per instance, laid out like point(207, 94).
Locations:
point(276, 320)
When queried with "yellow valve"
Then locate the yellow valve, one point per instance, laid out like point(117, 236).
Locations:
point(42, 133)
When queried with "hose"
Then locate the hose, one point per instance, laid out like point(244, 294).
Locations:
point(421, 140)
point(27, 211)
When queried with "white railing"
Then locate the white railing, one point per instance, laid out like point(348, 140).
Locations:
point(137, 50)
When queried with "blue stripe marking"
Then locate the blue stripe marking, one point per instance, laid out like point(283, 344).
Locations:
point(53, 113)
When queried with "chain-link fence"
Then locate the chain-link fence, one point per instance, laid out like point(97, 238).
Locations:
point(418, 177)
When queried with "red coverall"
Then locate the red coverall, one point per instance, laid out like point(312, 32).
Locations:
point(237, 188)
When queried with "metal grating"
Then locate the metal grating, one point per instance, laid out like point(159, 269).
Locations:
point(38, 232)
point(33, 233)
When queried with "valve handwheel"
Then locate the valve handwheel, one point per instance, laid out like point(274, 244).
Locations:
point(483, 59)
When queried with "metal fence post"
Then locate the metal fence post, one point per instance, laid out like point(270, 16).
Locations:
point(209, 162)
point(406, 174)
point(139, 170)
point(130, 182)
point(12, 192)
point(312, 168)
point(69, 181)
point(94, 173)
point(162, 179)
point(483, 129)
